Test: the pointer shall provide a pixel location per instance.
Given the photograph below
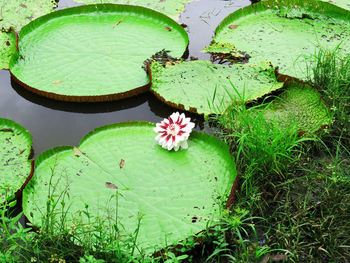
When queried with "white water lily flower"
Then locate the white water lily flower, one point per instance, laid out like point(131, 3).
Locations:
point(174, 131)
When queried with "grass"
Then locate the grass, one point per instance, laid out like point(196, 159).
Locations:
point(293, 204)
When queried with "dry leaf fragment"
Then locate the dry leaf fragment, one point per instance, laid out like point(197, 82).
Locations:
point(57, 81)
point(110, 185)
point(23, 5)
point(168, 28)
point(279, 257)
point(22, 151)
point(121, 20)
point(6, 130)
point(233, 26)
point(76, 151)
point(122, 162)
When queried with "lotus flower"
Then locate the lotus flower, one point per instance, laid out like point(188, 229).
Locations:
point(174, 131)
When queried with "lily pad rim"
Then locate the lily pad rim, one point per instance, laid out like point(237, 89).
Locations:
point(92, 8)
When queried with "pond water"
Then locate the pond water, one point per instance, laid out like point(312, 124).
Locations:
point(54, 123)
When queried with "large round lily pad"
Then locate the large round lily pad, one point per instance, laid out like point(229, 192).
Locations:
point(93, 52)
point(15, 165)
point(171, 8)
point(7, 48)
point(286, 32)
point(302, 105)
point(341, 3)
point(175, 194)
point(205, 88)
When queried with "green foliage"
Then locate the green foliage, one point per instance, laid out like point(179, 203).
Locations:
point(331, 76)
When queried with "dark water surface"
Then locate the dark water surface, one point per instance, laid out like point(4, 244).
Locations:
point(53, 123)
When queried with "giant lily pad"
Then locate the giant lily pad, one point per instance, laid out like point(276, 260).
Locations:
point(286, 32)
point(15, 165)
point(93, 52)
point(171, 8)
point(174, 194)
point(17, 13)
point(302, 105)
point(341, 3)
point(7, 48)
point(205, 88)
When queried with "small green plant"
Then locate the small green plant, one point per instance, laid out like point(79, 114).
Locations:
point(330, 74)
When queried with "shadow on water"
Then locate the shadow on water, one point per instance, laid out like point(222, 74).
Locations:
point(84, 107)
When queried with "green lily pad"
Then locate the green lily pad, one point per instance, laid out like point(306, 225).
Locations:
point(286, 32)
point(15, 165)
point(341, 3)
point(7, 48)
point(174, 193)
point(300, 104)
point(93, 52)
point(172, 8)
point(205, 88)
point(17, 13)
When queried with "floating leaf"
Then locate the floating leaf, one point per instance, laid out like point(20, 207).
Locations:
point(15, 165)
point(203, 87)
point(286, 32)
point(165, 190)
point(300, 104)
point(17, 13)
point(7, 48)
point(103, 60)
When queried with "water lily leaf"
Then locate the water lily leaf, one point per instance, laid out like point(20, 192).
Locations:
point(341, 3)
point(7, 48)
point(286, 32)
point(174, 194)
point(203, 87)
point(300, 104)
point(17, 13)
point(15, 165)
point(83, 54)
point(172, 8)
